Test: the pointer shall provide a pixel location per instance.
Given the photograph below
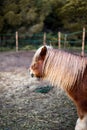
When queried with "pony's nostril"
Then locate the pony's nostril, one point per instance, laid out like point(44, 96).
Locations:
point(32, 75)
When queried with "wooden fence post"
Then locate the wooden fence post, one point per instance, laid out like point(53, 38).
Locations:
point(65, 39)
point(59, 40)
point(16, 41)
point(83, 41)
point(44, 39)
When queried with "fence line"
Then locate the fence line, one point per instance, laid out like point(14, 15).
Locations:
point(59, 39)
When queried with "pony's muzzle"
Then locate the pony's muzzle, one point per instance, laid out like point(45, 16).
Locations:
point(31, 73)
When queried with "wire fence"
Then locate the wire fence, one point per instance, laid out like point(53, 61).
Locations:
point(19, 41)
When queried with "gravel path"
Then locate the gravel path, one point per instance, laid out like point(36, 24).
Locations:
point(21, 108)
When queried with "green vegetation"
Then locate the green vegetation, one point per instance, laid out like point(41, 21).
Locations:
point(42, 15)
point(36, 16)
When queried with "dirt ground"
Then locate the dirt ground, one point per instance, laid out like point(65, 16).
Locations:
point(21, 107)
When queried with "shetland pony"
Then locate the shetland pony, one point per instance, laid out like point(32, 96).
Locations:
point(65, 70)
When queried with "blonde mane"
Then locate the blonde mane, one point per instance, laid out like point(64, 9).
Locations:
point(62, 68)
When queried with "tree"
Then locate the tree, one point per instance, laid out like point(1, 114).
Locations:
point(34, 16)
point(34, 13)
point(74, 14)
point(53, 21)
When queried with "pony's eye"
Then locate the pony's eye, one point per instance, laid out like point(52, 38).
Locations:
point(34, 65)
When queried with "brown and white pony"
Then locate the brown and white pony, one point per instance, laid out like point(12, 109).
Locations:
point(66, 70)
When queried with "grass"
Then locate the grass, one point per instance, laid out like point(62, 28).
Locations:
point(44, 90)
point(34, 47)
point(9, 48)
point(25, 48)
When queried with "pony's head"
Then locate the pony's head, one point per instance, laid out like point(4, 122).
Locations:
point(37, 62)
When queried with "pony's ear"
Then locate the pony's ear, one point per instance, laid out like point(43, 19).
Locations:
point(43, 52)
